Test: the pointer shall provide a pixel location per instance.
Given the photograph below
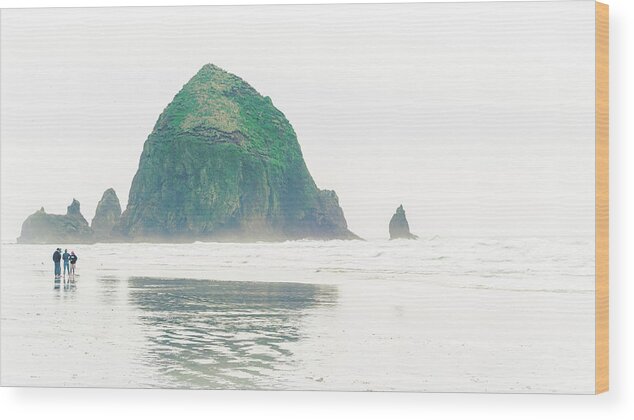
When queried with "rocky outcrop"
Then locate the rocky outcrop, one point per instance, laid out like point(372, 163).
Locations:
point(223, 163)
point(399, 228)
point(44, 228)
point(107, 215)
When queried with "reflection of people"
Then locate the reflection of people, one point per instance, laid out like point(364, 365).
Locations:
point(57, 256)
point(73, 260)
point(65, 257)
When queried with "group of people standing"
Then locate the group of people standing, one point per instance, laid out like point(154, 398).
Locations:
point(70, 260)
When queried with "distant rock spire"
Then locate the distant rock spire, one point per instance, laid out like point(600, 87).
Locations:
point(107, 215)
point(74, 208)
point(399, 228)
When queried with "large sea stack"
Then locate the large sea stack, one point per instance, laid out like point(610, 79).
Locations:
point(222, 163)
point(399, 228)
point(44, 228)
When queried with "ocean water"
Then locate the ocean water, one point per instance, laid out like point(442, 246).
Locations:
point(467, 314)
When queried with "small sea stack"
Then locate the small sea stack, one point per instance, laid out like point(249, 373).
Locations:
point(44, 228)
point(107, 215)
point(399, 228)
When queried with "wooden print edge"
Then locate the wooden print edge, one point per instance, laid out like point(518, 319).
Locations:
point(601, 198)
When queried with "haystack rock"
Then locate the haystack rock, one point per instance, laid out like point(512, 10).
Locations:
point(107, 215)
point(43, 228)
point(399, 228)
point(223, 163)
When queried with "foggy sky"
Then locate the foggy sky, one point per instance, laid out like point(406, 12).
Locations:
point(477, 117)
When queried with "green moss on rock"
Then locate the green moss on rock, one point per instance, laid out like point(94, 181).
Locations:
point(222, 163)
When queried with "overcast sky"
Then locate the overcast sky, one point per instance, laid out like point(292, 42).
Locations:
point(478, 117)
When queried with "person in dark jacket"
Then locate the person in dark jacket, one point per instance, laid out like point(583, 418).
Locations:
point(73, 260)
point(57, 256)
point(65, 258)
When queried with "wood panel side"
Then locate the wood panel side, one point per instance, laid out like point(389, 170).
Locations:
point(602, 198)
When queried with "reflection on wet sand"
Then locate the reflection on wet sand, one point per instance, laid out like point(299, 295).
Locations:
point(109, 290)
point(67, 286)
point(222, 334)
